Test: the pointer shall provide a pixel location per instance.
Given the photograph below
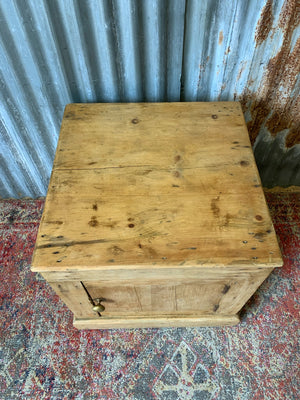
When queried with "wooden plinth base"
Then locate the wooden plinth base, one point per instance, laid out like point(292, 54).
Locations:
point(156, 322)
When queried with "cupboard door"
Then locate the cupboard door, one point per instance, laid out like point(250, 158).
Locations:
point(193, 297)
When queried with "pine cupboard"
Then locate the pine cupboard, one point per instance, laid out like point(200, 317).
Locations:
point(155, 216)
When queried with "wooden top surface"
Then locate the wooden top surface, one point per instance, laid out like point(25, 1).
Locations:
point(154, 184)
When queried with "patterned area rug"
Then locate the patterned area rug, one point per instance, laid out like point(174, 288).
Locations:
point(44, 357)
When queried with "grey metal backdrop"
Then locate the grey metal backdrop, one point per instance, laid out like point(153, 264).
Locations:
point(55, 52)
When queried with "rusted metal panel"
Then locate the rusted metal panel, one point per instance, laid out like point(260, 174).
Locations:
point(56, 52)
point(276, 102)
point(272, 107)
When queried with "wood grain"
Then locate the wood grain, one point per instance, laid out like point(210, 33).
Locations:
point(158, 210)
point(154, 184)
point(155, 274)
point(205, 294)
point(75, 297)
point(114, 135)
point(163, 321)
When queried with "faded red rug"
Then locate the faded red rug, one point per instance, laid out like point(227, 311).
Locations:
point(44, 357)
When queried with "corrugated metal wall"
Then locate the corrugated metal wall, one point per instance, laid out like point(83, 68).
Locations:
point(55, 52)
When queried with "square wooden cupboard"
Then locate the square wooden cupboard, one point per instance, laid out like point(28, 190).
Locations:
point(155, 216)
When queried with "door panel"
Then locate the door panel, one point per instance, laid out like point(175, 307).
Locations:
point(165, 298)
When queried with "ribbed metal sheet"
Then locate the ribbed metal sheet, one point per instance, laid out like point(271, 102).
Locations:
point(55, 52)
